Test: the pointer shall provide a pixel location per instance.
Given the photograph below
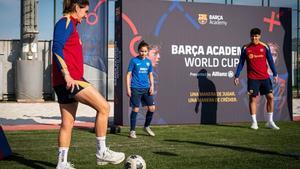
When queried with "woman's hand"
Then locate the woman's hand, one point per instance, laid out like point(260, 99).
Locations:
point(71, 83)
point(129, 92)
point(151, 90)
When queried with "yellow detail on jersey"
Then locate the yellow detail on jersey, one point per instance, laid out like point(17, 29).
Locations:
point(68, 20)
point(245, 46)
point(265, 45)
point(61, 61)
point(83, 83)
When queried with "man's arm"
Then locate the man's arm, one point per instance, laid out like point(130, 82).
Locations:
point(240, 65)
point(271, 64)
point(271, 61)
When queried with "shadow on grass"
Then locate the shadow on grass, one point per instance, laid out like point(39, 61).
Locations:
point(233, 126)
point(30, 163)
point(164, 153)
point(237, 148)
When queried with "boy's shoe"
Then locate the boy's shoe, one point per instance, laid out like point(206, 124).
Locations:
point(132, 134)
point(272, 125)
point(109, 157)
point(149, 131)
point(67, 165)
point(254, 126)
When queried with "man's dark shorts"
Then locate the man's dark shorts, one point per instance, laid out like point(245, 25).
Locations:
point(139, 96)
point(259, 86)
point(65, 96)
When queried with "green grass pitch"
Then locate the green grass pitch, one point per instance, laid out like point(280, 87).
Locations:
point(174, 147)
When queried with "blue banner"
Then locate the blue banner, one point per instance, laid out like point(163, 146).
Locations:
point(93, 33)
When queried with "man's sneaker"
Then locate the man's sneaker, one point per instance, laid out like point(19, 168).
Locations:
point(109, 157)
point(149, 131)
point(254, 126)
point(132, 134)
point(67, 165)
point(272, 125)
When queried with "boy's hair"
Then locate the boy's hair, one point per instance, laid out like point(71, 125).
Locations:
point(143, 44)
point(255, 31)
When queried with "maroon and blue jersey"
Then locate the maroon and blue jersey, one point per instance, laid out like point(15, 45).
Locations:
point(257, 56)
point(67, 51)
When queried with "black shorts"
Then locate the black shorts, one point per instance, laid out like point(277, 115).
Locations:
point(139, 96)
point(259, 86)
point(65, 96)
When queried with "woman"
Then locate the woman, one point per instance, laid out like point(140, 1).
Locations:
point(71, 88)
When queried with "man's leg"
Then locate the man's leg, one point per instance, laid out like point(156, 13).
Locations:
point(252, 107)
point(269, 115)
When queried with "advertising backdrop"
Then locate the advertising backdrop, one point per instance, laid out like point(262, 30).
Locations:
point(195, 49)
point(93, 33)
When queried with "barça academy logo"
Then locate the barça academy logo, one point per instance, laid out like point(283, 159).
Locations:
point(212, 19)
point(202, 19)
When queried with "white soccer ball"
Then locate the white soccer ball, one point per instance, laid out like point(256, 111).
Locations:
point(135, 162)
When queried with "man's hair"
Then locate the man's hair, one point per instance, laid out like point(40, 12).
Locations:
point(255, 31)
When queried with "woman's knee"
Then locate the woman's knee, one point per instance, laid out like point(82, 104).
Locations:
point(151, 108)
point(136, 109)
point(67, 124)
point(104, 108)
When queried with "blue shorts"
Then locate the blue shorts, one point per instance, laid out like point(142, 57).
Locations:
point(139, 96)
point(259, 86)
point(65, 96)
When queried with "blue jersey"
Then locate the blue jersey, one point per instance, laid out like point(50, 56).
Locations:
point(140, 69)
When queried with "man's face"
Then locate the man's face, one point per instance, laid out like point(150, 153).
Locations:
point(154, 56)
point(255, 39)
point(274, 53)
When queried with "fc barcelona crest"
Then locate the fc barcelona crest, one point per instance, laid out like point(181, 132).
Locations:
point(202, 18)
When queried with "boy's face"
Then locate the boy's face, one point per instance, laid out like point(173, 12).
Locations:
point(255, 39)
point(143, 51)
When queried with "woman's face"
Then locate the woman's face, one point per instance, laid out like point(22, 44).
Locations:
point(143, 51)
point(81, 12)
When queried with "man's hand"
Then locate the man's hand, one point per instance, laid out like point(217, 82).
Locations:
point(276, 79)
point(236, 81)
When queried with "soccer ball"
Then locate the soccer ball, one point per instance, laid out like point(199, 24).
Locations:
point(135, 162)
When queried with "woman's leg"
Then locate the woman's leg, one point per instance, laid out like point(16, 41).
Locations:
point(91, 97)
point(68, 113)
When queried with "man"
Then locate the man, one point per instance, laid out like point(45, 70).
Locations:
point(257, 54)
